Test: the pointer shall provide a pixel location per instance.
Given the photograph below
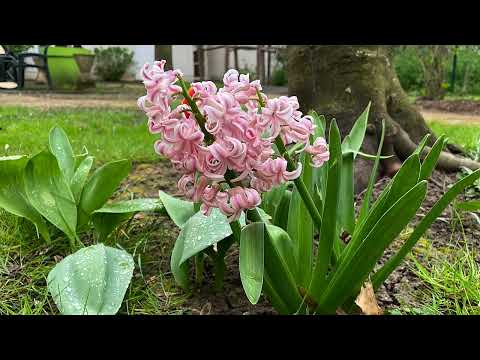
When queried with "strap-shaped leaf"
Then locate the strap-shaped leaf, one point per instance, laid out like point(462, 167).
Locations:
point(381, 275)
point(178, 210)
point(472, 205)
point(354, 269)
point(61, 148)
point(354, 140)
point(12, 192)
point(107, 218)
point(281, 213)
point(346, 213)
point(92, 281)
point(251, 264)
point(100, 187)
point(80, 177)
point(49, 193)
point(302, 231)
point(430, 161)
point(328, 232)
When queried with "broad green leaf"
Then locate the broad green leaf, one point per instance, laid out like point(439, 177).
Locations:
point(60, 146)
point(272, 199)
point(179, 270)
point(201, 231)
point(472, 205)
point(320, 123)
point(107, 218)
point(92, 281)
point(300, 225)
point(100, 187)
point(346, 209)
point(430, 161)
point(251, 260)
point(328, 231)
point(12, 192)
point(381, 275)
point(281, 213)
point(284, 245)
point(80, 177)
point(279, 279)
point(49, 193)
point(354, 140)
point(265, 217)
point(354, 270)
point(178, 210)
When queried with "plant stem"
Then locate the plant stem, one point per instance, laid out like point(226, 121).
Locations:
point(300, 185)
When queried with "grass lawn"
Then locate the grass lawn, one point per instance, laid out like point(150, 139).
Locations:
point(467, 136)
point(107, 134)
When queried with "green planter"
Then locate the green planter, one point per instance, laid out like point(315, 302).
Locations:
point(64, 70)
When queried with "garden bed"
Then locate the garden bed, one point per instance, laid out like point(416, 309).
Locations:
point(402, 289)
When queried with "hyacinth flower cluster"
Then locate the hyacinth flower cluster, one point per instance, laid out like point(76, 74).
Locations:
point(221, 140)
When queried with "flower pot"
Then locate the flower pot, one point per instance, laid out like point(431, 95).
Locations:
point(64, 68)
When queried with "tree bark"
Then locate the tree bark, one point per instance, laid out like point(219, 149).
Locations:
point(340, 81)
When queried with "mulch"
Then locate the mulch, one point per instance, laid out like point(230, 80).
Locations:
point(469, 107)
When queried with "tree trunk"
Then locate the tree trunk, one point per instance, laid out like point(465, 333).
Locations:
point(340, 81)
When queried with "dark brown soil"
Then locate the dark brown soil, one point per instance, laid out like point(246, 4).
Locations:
point(469, 107)
point(400, 288)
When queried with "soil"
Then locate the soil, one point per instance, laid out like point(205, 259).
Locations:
point(470, 107)
point(400, 289)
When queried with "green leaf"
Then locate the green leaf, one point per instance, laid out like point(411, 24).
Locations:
point(201, 231)
point(346, 211)
point(300, 225)
point(178, 210)
point(354, 269)
point(283, 244)
point(328, 231)
point(92, 281)
point(100, 187)
point(61, 148)
point(12, 192)
point(353, 141)
point(421, 145)
point(80, 177)
point(473, 205)
point(107, 218)
point(430, 161)
point(49, 193)
point(281, 213)
point(381, 275)
point(371, 181)
point(279, 279)
point(272, 199)
point(251, 260)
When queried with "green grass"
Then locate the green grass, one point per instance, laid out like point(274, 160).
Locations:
point(25, 262)
point(467, 136)
point(107, 134)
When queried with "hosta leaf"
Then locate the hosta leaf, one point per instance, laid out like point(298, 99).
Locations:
point(80, 177)
point(49, 193)
point(107, 218)
point(201, 231)
point(178, 210)
point(12, 192)
point(251, 260)
point(101, 185)
point(92, 281)
point(60, 146)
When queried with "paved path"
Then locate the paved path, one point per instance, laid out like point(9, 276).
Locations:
point(55, 100)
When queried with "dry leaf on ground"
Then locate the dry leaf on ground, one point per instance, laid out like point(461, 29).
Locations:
point(367, 302)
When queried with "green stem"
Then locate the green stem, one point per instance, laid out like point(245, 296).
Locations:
point(301, 187)
point(196, 111)
point(199, 267)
